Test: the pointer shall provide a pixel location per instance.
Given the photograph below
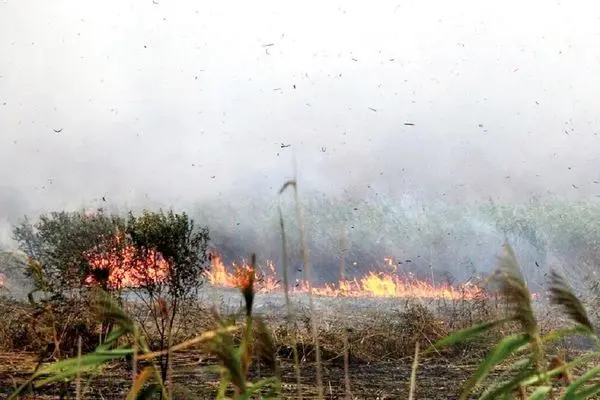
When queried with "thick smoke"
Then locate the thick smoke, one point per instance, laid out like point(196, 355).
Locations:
point(400, 133)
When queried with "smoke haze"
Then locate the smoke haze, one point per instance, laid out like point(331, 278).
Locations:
point(190, 104)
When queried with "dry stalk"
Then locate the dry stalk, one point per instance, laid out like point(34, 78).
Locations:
point(308, 269)
point(343, 315)
point(78, 380)
point(413, 373)
point(288, 306)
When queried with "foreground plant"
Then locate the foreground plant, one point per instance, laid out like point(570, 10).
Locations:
point(526, 375)
point(126, 342)
point(235, 360)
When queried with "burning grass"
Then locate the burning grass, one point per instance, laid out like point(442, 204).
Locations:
point(383, 316)
point(381, 331)
point(372, 284)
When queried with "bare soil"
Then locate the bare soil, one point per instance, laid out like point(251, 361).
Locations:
point(383, 380)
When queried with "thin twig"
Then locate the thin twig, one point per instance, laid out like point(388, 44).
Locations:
point(308, 269)
point(413, 373)
point(78, 381)
point(343, 312)
point(288, 306)
point(134, 357)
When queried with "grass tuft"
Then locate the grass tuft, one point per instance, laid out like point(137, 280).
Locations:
point(562, 295)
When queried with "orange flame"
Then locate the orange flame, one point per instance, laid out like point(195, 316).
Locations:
point(219, 276)
point(125, 269)
point(372, 284)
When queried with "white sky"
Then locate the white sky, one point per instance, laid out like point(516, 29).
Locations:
point(142, 91)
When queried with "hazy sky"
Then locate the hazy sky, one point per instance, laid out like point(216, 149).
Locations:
point(157, 98)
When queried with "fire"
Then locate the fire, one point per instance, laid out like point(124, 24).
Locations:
point(372, 284)
point(219, 276)
point(124, 268)
point(120, 267)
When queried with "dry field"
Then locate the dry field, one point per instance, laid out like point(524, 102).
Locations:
point(381, 335)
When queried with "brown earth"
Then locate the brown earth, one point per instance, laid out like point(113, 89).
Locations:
point(382, 380)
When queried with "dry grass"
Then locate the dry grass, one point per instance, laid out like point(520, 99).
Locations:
point(372, 335)
point(386, 338)
point(27, 328)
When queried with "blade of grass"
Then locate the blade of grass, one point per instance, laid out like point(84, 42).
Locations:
point(587, 392)
point(509, 386)
point(540, 393)
point(499, 353)
point(572, 388)
point(466, 333)
point(204, 337)
point(556, 371)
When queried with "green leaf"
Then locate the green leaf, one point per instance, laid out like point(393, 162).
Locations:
point(465, 334)
point(506, 387)
point(255, 388)
point(501, 351)
point(516, 366)
point(540, 393)
point(564, 332)
point(554, 372)
point(68, 368)
point(112, 337)
point(588, 392)
point(108, 308)
point(582, 380)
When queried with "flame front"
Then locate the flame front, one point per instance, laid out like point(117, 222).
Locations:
point(125, 268)
point(372, 284)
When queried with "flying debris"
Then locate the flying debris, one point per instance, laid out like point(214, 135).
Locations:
point(213, 177)
point(266, 47)
point(57, 130)
point(104, 199)
point(574, 187)
point(409, 124)
point(372, 109)
point(283, 146)
point(323, 149)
